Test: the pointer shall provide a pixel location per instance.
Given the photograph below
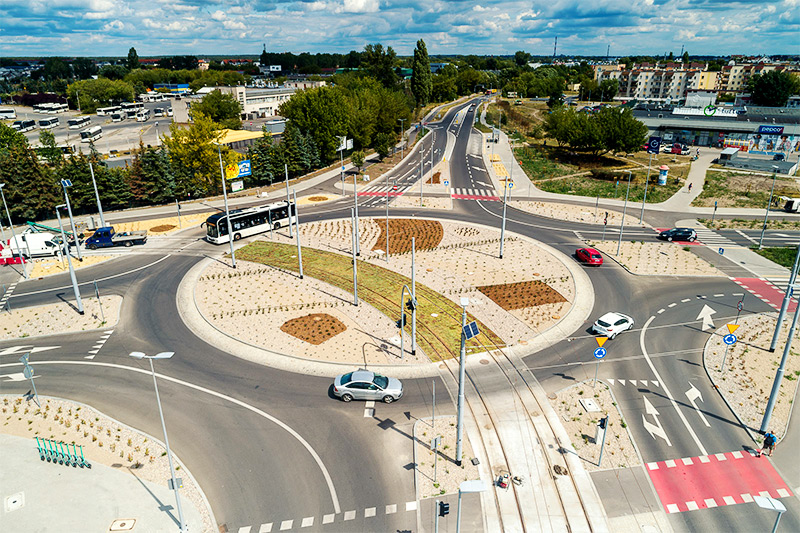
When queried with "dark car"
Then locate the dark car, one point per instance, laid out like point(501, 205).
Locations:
point(678, 234)
point(778, 157)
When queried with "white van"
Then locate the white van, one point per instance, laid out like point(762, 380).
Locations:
point(32, 244)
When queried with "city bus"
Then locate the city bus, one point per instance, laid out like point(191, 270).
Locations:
point(103, 111)
point(48, 123)
point(59, 108)
point(8, 114)
point(24, 125)
point(78, 122)
point(91, 134)
point(250, 221)
point(143, 115)
point(132, 105)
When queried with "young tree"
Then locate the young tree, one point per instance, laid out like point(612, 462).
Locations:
point(357, 159)
point(49, 149)
point(221, 108)
point(383, 144)
point(133, 59)
point(773, 88)
point(421, 83)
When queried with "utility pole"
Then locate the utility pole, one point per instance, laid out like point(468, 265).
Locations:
point(414, 299)
point(227, 213)
point(97, 196)
point(297, 233)
point(786, 299)
point(766, 215)
point(288, 198)
point(76, 290)
point(646, 182)
point(776, 385)
point(503, 226)
point(355, 268)
point(355, 205)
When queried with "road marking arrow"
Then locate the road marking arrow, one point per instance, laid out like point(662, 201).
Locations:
point(693, 395)
point(653, 429)
point(705, 315)
point(732, 327)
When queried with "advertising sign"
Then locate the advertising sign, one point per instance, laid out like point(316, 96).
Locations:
point(770, 130)
point(244, 168)
point(237, 186)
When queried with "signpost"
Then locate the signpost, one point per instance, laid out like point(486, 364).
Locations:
point(599, 353)
point(435, 442)
point(28, 373)
point(729, 340)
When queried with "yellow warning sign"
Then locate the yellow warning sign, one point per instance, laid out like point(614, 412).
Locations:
point(601, 341)
point(732, 327)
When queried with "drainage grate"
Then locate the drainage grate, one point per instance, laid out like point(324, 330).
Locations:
point(123, 524)
point(15, 501)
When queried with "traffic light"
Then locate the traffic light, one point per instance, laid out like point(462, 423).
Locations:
point(603, 423)
point(401, 323)
point(411, 304)
point(444, 509)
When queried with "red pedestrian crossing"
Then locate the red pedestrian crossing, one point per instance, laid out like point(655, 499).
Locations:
point(474, 197)
point(765, 291)
point(709, 481)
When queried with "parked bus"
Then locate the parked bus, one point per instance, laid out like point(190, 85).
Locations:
point(251, 221)
point(119, 116)
point(24, 125)
point(104, 111)
point(91, 134)
point(59, 108)
point(78, 122)
point(8, 114)
point(143, 115)
point(48, 123)
point(130, 113)
point(132, 105)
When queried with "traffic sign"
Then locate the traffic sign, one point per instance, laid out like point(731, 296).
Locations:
point(599, 353)
point(601, 341)
point(732, 327)
point(244, 168)
point(470, 330)
point(729, 339)
point(510, 184)
point(394, 187)
point(721, 251)
point(446, 183)
point(653, 145)
point(66, 183)
point(740, 305)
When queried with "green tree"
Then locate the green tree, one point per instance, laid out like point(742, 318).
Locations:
point(83, 68)
point(421, 82)
point(265, 160)
point(384, 143)
point(30, 188)
point(609, 89)
point(133, 59)
point(113, 72)
point(49, 149)
point(686, 58)
point(221, 108)
point(357, 158)
point(55, 69)
point(10, 138)
point(556, 97)
point(323, 113)
point(521, 58)
point(150, 177)
point(773, 88)
point(380, 63)
point(98, 93)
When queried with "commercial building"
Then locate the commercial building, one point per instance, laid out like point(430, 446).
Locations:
point(255, 103)
point(173, 88)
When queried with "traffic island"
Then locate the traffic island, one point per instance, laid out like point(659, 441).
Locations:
point(747, 375)
point(576, 213)
point(656, 258)
point(62, 317)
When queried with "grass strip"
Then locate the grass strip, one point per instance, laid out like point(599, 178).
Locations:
point(781, 255)
point(438, 336)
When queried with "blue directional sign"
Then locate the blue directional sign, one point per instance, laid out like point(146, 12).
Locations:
point(600, 352)
point(653, 145)
point(446, 183)
point(244, 168)
point(470, 330)
point(66, 183)
point(721, 251)
point(510, 184)
point(729, 339)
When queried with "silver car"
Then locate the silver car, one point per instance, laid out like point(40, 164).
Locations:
point(366, 385)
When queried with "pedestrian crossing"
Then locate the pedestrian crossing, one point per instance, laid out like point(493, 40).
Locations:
point(469, 193)
point(5, 297)
point(713, 239)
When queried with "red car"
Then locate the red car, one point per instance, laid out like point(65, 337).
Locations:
point(590, 256)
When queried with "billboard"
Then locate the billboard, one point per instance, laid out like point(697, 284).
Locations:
point(763, 144)
point(275, 68)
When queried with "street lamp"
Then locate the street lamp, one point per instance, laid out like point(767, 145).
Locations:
point(64, 185)
point(766, 215)
point(466, 487)
point(74, 280)
point(619, 243)
point(461, 377)
point(773, 505)
point(174, 482)
point(13, 235)
point(227, 212)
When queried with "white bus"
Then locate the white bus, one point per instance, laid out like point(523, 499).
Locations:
point(48, 123)
point(132, 105)
point(8, 114)
point(103, 111)
point(59, 108)
point(118, 116)
point(143, 115)
point(91, 134)
point(250, 221)
point(78, 122)
point(24, 125)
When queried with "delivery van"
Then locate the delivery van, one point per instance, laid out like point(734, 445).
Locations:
point(33, 244)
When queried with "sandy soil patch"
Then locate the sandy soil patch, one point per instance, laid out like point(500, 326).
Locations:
point(580, 424)
point(656, 258)
point(749, 372)
point(165, 226)
point(576, 213)
point(54, 265)
point(448, 475)
point(257, 300)
point(105, 441)
point(315, 328)
point(60, 318)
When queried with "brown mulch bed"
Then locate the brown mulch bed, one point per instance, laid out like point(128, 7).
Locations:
point(428, 234)
point(317, 198)
point(315, 328)
point(435, 179)
point(162, 228)
point(522, 294)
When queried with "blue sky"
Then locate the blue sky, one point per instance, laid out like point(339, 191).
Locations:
point(198, 27)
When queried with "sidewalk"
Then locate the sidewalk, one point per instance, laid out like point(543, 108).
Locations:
point(42, 496)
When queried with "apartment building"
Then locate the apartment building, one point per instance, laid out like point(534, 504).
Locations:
point(660, 82)
point(734, 76)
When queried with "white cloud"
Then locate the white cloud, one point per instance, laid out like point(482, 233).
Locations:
point(233, 25)
point(114, 25)
point(360, 6)
point(218, 15)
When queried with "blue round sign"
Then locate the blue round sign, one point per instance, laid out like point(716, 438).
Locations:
point(729, 339)
point(599, 353)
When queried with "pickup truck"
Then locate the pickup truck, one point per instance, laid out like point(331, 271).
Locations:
point(107, 237)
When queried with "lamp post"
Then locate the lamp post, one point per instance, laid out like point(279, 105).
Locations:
point(402, 321)
point(97, 197)
point(64, 185)
point(467, 487)
point(461, 376)
point(786, 298)
point(509, 179)
point(227, 213)
point(72, 277)
point(174, 482)
point(288, 198)
point(13, 235)
point(619, 243)
point(766, 215)
point(402, 137)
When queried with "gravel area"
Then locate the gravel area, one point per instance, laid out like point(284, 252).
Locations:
point(257, 300)
point(105, 441)
point(749, 372)
point(60, 317)
point(656, 259)
point(576, 213)
point(50, 266)
point(448, 475)
point(619, 451)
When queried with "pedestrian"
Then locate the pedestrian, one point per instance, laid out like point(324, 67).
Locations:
point(690, 187)
point(769, 444)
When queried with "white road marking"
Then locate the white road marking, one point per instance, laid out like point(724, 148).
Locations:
point(692, 506)
point(369, 512)
point(718, 295)
point(286, 524)
point(670, 305)
point(307, 521)
point(765, 493)
point(666, 391)
point(611, 381)
point(693, 395)
point(265, 528)
point(264, 414)
point(746, 236)
point(391, 509)
point(783, 493)
point(670, 463)
point(673, 508)
point(704, 459)
point(720, 456)
point(411, 506)
point(737, 455)
point(652, 466)
point(729, 500)
point(686, 300)
point(711, 503)
point(328, 518)
point(369, 413)
point(655, 429)
point(370, 403)
point(661, 310)
point(244, 529)
point(633, 382)
point(349, 515)
point(746, 497)
point(687, 461)
point(705, 315)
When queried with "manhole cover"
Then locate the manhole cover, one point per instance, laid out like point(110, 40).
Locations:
point(484, 361)
point(552, 396)
point(124, 524)
point(15, 501)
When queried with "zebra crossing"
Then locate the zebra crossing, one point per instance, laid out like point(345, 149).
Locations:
point(469, 193)
point(713, 239)
point(5, 296)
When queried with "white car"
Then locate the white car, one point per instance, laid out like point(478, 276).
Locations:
point(612, 324)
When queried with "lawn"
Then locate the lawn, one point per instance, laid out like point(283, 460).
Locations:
point(438, 336)
point(752, 223)
point(538, 166)
point(736, 189)
point(591, 187)
point(782, 255)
